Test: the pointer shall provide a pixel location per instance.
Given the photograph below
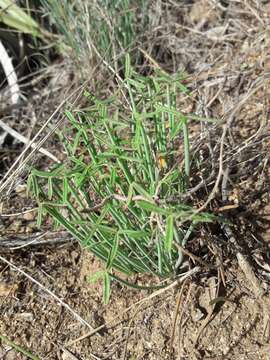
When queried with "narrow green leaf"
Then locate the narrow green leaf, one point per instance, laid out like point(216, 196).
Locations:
point(71, 117)
point(56, 172)
point(152, 207)
point(142, 192)
point(39, 215)
point(177, 127)
point(119, 156)
point(186, 149)
point(29, 184)
point(135, 234)
point(169, 233)
point(18, 348)
point(127, 67)
point(148, 155)
point(106, 287)
point(35, 186)
point(130, 194)
point(113, 177)
point(95, 277)
point(167, 109)
point(50, 188)
point(12, 15)
point(64, 222)
point(113, 252)
point(65, 190)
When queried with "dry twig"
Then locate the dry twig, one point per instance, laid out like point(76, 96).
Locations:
point(24, 140)
point(179, 301)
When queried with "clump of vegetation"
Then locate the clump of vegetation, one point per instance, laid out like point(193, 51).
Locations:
point(106, 29)
point(119, 191)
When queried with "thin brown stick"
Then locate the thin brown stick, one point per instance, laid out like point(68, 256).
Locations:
point(176, 312)
point(10, 174)
point(115, 197)
point(193, 257)
point(37, 239)
point(24, 140)
point(220, 172)
point(18, 213)
point(218, 179)
point(17, 166)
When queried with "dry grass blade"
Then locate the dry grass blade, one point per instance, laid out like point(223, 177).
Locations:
point(179, 301)
point(243, 263)
point(19, 213)
point(24, 140)
point(37, 239)
point(17, 166)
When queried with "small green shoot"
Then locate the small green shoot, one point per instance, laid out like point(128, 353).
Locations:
point(18, 348)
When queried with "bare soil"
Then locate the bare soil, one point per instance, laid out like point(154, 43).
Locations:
point(218, 313)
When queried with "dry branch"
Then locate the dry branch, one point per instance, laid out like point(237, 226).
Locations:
point(38, 239)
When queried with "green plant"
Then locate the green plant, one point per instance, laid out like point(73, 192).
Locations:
point(18, 348)
point(118, 193)
point(108, 28)
point(13, 16)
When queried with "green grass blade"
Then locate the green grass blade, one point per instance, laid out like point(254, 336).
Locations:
point(169, 233)
point(95, 277)
point(186, 149)
point(106, 287)
point(113, 253)
point(18, 348)
point(14, 17)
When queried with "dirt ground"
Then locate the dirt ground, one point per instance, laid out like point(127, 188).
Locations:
point(221, 312)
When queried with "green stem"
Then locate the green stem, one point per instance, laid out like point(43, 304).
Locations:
point(18, 348)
